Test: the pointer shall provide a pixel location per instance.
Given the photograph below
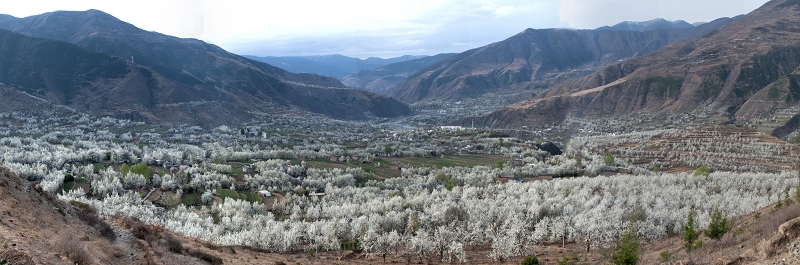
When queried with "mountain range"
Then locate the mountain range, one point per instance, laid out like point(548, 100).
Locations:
point(658, 23)
point(536, 59)
point(93, 62)
point(334, 65)
point(383, 78)
point(746, 68)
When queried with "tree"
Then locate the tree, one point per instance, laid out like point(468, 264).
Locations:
point(690, 236)
point(608, 159)
point(501, 141)
point(387, 149)
point(628, 249)
point(141, 169)
point(718, 226)
point(498, 164)
point(124, 169)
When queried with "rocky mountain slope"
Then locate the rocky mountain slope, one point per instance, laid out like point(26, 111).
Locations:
point(536, 59)
point(658, 23)
point(383, 78)
point(334, 65)
point(127, 72)
point(744, 69)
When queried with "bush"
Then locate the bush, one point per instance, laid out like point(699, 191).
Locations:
point(608, 159)
point(80, 205)
point(173, 244)
point(703, 171)
point(530, 260)
point(210, 258)
point(665, 256)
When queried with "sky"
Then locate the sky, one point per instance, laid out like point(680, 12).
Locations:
point(377, 28)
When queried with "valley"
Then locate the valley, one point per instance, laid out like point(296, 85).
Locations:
point(655, 142)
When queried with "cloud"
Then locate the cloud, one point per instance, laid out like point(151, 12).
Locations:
point(503, 11)
point(350, 27)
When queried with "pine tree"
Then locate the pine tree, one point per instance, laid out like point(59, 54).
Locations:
point(690, 236)
point(628, 249)
point(719, 225)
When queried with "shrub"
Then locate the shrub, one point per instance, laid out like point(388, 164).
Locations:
point(665, 256)
point(75, 253)
point(608, 159)
point(173, 244)
point(80, 205)
point(210, 258)
point(530, 260)
point(737, 231)
point(703, 171)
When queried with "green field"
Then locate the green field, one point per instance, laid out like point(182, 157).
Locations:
point(189, 199)
point(226, 193)
point(381, 172)
point(467, 160)
point(384, 171)
point(249, 196)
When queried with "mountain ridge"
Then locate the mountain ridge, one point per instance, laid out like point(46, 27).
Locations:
point(334, 65)
point(234, 86)
point(653, 24)
point(381, 79)
point(743, 70)
point(535, 59)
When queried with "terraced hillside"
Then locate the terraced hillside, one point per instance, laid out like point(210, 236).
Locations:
point(728, 148)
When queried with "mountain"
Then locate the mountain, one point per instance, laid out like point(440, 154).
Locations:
point(535, 59)
point(658, 23)
point(747, 68)
point(129, 72)
point(383, 78)
point(329, 65)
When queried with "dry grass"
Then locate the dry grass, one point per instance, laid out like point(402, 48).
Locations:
point(76, 252)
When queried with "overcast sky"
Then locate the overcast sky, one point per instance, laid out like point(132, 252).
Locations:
point(380, 28)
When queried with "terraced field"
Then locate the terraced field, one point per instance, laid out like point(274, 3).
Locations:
point(729, 148)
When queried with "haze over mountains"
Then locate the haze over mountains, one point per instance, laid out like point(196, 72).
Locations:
point(658, 23)
point(334, 65)
point(536, 59)
point(383, 78)
point(131, 73)
point(745, 69)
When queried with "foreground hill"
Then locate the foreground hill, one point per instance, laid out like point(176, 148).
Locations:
point(334, 65)
point(536, 59)
point(381, 79)
point(744, 69)
point(168, 79)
